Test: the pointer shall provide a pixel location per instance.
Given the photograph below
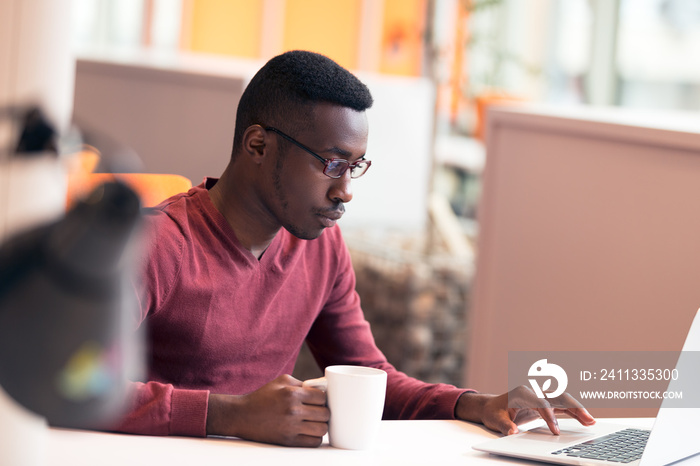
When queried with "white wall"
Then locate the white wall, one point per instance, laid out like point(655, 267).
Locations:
point(36, 68)
point(393, 194)
point(35, 56)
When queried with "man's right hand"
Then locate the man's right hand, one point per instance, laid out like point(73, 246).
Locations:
point(280, 412)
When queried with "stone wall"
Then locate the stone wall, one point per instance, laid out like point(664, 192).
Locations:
point(416, 304)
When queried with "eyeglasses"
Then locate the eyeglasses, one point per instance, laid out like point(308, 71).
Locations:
point(334, 168)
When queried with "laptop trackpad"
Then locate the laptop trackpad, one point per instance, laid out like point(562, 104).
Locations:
point(540, 441)
point(569, 435)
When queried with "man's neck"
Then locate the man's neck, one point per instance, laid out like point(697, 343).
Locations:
point(240, 209)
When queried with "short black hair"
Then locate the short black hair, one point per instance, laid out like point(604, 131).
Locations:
point(288, 85)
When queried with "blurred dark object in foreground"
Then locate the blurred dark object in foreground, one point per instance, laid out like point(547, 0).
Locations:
point(37, 135)
point(65, 306)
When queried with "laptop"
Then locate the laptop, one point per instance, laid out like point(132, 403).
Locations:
point(674, 436)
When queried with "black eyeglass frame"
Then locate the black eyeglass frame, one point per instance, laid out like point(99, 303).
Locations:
point(326, 162)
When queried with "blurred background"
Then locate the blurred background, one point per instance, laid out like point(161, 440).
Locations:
point(628, 53)
point(162, 78)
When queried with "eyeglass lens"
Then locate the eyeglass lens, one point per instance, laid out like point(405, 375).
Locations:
point(336, 168)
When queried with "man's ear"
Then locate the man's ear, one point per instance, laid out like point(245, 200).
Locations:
point(254, 143)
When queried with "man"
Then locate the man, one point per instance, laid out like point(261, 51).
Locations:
point(245, 268)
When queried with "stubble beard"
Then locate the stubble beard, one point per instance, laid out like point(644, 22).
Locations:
point(283, 202)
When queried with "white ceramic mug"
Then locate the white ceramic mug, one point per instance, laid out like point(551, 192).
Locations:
point(356, 401)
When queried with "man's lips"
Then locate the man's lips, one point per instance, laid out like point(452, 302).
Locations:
point(333, 215)
point(329, 217)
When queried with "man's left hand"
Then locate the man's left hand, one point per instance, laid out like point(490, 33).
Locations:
point(503, 413)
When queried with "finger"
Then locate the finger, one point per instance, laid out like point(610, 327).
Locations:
point(503, 423)
point(510, 428)
point(316, 413)
point(314, 429)
point(287, 379)
point(307, 441)
point(524, 397)
point(580, 414)
point(548, 415)
point(521, 416)
point(313, 396)
point(565, 401)
point(571, 406)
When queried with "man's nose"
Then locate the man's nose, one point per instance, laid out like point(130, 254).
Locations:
point(341, 190)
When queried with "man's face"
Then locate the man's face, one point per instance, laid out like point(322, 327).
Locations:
point(300, 196)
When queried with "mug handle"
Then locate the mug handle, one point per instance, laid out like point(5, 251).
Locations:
point(321, 384)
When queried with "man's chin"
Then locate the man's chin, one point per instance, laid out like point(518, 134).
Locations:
point(305, 234)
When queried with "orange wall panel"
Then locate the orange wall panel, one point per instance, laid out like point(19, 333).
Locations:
point(327, 27)
point(402, 37)
point(230, 27)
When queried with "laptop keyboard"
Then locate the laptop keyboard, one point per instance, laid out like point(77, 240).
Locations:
point(620, 447)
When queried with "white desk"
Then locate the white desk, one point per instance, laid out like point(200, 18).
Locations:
point(400, 443)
